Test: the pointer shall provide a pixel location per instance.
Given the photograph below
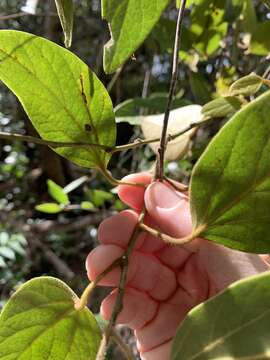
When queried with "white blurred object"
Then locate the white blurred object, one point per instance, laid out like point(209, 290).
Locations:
point(30, 7)
point(179, 119)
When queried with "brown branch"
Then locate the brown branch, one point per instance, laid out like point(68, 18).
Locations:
point(121, 288)
point(22, 14)
point(163, 141)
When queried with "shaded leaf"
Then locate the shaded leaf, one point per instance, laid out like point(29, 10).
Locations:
point(49, 208)
point(200, 88)
point(130, 21)
point(155, 103)
point(260, 40)
point(65, 13)
point(247, 85)
point(40, 322)
point(232, 325)
point(64, 100)
point(99, 197)
point(87, 205)
point(221, 107)
point(179, 120)
point(57, 193)
point(230, 185)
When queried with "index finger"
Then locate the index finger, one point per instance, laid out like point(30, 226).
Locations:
point(131, 195)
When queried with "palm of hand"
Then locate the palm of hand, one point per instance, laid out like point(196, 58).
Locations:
point(164, 281)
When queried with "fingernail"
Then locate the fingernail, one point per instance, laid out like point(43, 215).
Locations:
point(163, 196)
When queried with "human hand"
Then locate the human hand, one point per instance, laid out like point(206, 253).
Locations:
point(164, 281)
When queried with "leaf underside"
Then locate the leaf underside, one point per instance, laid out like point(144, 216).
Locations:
point(130, 22)
point(63, 98)
point(230, 185)
point(233, 325)
point(39, 322)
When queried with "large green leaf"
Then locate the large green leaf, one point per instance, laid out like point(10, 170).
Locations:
point(64, 100)
point(260, 42)
point(230, 185)
point(130, 22)
point(65, 13)
point(40, 322)
point(232, 325)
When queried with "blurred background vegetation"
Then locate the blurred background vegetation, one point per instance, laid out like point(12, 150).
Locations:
point(223, 40)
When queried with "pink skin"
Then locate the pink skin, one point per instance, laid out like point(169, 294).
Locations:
point(164, 281)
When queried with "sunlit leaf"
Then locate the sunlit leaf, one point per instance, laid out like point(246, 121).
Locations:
point(65, 13)
point(247, 85)
point(179, 120)
point(221, 107)
point(40, 322)
point(49, 208)
point(130, 21)
point(57, 193)
point(230, 185)
point(232, 325)
point(64, 100)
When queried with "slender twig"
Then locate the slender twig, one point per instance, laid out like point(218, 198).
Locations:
point(53, 144)
point(266, 73)
point(115, 182)
point(171, 240)
point(22, 14)
point(125, 349)
point(140, 142)
point(114, 79)
point(108, 149)
point(84, 299)
point(163, 141)
point(121, 288)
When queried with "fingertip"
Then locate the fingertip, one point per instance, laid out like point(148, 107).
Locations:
point(100, 259)
point(132, 195)
point(117, 229)
point(169, 209)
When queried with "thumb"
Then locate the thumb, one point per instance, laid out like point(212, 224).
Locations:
point(169, 209)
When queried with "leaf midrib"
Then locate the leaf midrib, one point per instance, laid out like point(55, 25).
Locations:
point(219, 340)
point(67, 313)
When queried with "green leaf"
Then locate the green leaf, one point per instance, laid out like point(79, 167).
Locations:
point(57, 193)
point(232, 325)
point(230, 185)
point(87, 205)
point(130, 22)
point(63, 98)
point(247, 85)
point(99, 197)
point(49, 208)
point(40, 322)
point(260, 41)
point(65, 13)
point(249, 21)
point(221, 107)
point(155, 104)
point(200, 88)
